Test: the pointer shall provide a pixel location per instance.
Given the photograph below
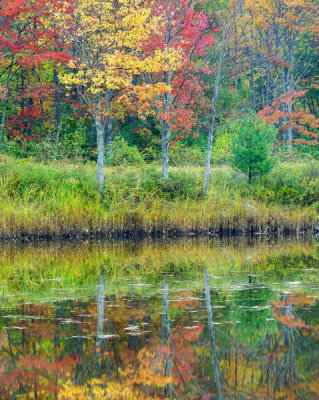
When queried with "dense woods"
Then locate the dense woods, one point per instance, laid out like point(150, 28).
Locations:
point(77, 76)
point(166, 98)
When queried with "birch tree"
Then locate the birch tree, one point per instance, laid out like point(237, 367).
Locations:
point(184, 38)
point(108, 39)
point(228, 38)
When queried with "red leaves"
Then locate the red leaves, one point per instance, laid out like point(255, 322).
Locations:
point(299, 120)
point(39, 58)
point(3, 94)
point(28, 45)
point(190, 35)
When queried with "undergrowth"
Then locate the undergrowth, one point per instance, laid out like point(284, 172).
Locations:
point(59, 199)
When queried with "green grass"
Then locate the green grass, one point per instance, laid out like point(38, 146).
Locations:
point(60, 199)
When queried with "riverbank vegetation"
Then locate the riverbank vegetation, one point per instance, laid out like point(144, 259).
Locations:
point(158, 118)
point(61, 200)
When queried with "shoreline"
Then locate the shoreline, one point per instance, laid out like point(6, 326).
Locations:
point(54, 201)
point(140, 234)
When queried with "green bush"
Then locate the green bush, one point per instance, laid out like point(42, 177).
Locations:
point(291, 183)
point(181, 155)
point(180, 184)
point(123, 154)
point(70, 146)
point(221, 153)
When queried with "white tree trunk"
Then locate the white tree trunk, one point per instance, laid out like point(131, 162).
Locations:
point(165, 149)
point(213, 116)
point(165, 337)
point(4, 110)
point(100, 153)
point(101, 346)
point(289, 130)
point(3, 121)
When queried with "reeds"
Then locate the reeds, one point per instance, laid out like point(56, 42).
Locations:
point(38, 200)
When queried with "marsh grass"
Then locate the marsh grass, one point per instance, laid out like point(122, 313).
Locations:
point(62, 200)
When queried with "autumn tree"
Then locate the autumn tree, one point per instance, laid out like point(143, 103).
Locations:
point(108, 40)
point(184, 38)
point(284, 38)
point(298, 120)
point(29, 49)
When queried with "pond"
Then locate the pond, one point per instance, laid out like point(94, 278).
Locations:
point(179, 319)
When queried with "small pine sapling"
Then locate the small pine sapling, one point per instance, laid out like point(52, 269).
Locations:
point(251, 148)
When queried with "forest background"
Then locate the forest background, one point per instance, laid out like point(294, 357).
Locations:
point(157, 94)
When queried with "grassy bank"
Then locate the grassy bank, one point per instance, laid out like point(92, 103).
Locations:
point(60, 200)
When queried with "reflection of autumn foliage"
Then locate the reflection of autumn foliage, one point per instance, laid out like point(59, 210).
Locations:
point(138, 382)
point(185, 358)
point(144, 371)
point(36, 376)
point(297, 299)
point(30, 364)
point(289, 319)
point(50, 351)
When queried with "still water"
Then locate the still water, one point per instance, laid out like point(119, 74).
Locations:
point(191, 319)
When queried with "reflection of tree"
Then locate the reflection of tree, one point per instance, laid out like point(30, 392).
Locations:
point(162, 346)
point(165, 340)
point(30, 364)
point(252, 313)
point(270, 369)
point(212, 337)
point(101, 345)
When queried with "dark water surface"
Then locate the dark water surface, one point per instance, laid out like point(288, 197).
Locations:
point(181, 320)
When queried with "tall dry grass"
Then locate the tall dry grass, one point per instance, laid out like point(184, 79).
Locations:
point(56, 200)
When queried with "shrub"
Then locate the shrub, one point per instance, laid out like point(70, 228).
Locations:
point(291, 183)
point(124, 154)
point(181, 155)
point(221, 153)
point(180, 184)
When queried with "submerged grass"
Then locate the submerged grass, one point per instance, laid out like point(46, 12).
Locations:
point(41, 271)
point(56, 200)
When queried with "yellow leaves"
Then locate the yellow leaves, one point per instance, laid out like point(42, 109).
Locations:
point(96, 390)
point(111, 37)
point(130, 386)
point(71, 64)
point(286, 13)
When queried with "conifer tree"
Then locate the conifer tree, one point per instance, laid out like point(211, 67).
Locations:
point(252, 146)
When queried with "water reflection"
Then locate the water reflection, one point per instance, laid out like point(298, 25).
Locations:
point(244, 340)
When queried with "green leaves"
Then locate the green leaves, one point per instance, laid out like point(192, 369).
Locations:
point(252, 146)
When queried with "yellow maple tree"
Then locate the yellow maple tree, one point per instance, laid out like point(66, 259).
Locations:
point(108, 38)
